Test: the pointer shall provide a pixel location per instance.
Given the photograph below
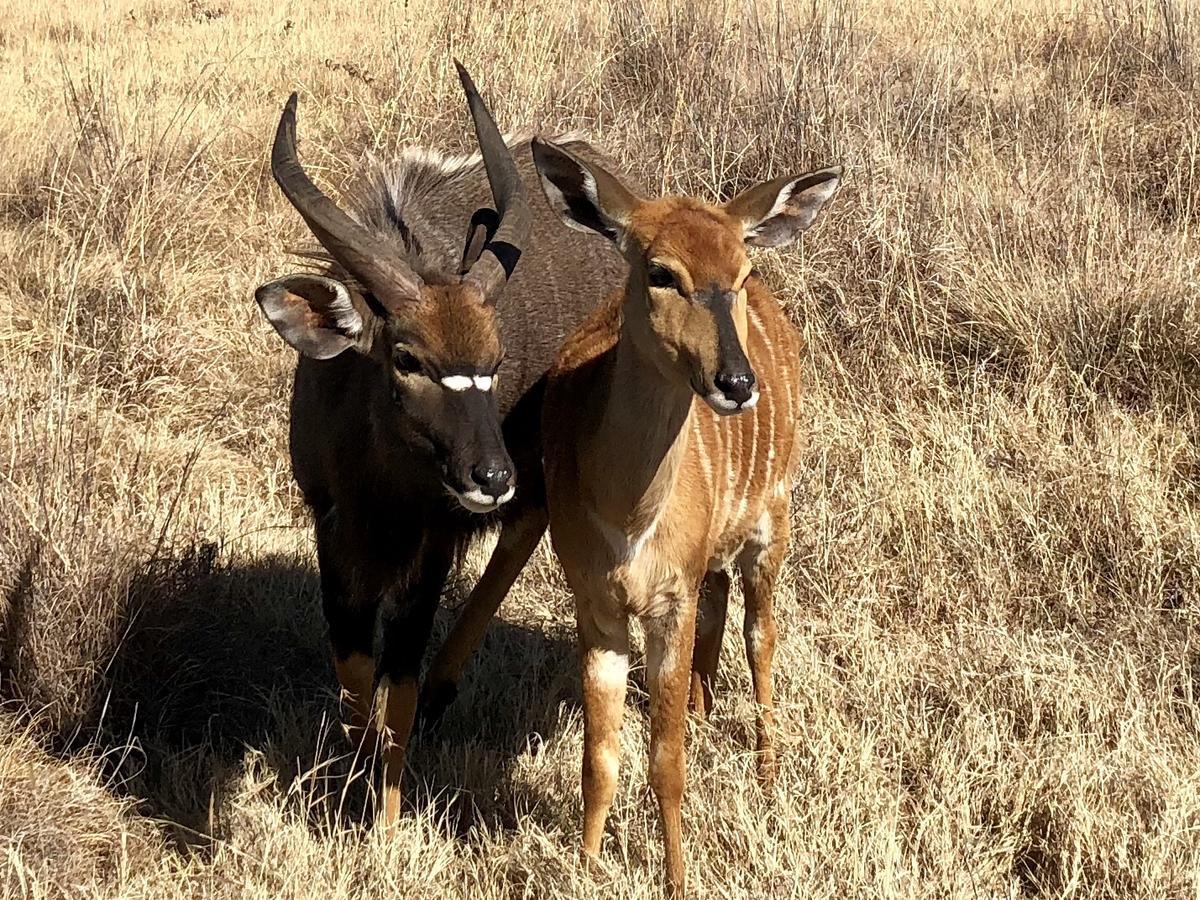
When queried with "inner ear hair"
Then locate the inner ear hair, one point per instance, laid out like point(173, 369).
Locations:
point(313, 313)
point(777, 211)
point(584, 194)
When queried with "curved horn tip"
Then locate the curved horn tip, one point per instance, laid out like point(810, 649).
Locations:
point(286, 129)
point(465, 77)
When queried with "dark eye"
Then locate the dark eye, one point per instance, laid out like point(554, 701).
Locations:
point(405, 362)
point(660, 276)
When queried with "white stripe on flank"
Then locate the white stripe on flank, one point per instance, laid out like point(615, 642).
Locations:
point(720, 464)
point(702, 452)
point(748, 465)
point(770, 412)
point(737, 481)
point(754, 330)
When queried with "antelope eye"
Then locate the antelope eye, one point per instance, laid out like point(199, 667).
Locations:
point(405, 362)
point(660, 276)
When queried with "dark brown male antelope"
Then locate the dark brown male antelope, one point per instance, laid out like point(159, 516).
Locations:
point(652, 493)
point(415, 381)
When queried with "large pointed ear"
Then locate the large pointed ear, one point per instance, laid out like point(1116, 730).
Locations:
point(312, 313)
point(775, 212)
point(586, 196)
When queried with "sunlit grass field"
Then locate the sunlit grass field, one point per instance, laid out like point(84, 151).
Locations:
point(989, 661)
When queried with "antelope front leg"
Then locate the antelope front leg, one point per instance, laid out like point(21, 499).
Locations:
point(396, 707)
point(668, 667)
point(604, 658)
point(351, 621)
point(356, 674)
point(405, 624)
point(760, 564)
point(518, 539)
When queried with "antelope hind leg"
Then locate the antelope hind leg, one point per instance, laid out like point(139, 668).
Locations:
point(710, 628)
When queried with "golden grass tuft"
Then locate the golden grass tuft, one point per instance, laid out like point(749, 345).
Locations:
point(988, 666)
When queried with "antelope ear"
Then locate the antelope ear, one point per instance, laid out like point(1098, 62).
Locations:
point(775, 212)
point(587, 197)
point(314, 314)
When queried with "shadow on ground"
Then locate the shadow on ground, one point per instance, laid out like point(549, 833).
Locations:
point(222, 674)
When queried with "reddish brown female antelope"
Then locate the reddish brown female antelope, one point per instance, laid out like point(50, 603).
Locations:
point(403, 416)
point(652, 493)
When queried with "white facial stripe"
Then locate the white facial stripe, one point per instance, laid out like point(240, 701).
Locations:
point(466, 382)
point(457, 382)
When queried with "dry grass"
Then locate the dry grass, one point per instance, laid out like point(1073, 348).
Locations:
point(989, 666)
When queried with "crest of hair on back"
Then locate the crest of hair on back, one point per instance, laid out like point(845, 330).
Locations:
point(397, 198)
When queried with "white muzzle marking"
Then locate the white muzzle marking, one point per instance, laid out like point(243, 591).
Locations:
point(477, 501)
point(722, 405)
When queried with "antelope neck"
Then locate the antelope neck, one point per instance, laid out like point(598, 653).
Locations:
point(640, 440)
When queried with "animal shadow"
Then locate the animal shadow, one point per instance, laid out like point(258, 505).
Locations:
point(223, 674)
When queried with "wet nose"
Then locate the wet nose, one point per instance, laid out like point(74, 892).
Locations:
point(493, 478)
point(737, 387)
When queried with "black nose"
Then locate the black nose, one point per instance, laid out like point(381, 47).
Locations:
point(493, 478)
point(737, 387)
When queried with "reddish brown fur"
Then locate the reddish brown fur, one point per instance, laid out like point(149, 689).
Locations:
point(651, 494)
point(454, 326)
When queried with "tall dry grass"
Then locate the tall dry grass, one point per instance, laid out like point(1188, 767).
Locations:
point(988, 667)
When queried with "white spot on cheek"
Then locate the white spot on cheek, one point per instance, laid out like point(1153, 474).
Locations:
point(483, 382)
point(457, 382)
